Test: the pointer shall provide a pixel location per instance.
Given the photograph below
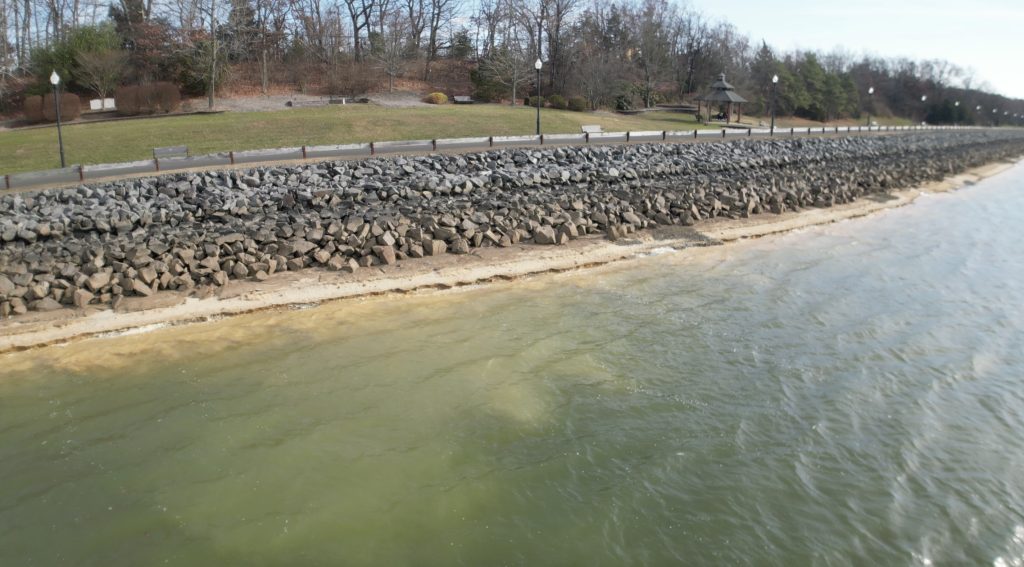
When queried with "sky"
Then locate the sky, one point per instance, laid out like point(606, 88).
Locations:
point(985, 35)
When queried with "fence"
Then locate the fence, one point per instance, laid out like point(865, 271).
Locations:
point(80, 173)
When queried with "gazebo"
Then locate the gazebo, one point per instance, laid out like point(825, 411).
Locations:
point(722, 93)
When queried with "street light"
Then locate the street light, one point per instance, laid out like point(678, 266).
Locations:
point(55, 81)
point(537, 65)
point(871, 92)
point(775, 81)
point(956, 110)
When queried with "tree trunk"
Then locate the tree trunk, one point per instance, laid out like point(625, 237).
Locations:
point(265, 78)
point(213, 58)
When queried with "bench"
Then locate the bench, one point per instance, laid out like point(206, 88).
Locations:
point(170, 152)
point(591, 129)
point(459, 99)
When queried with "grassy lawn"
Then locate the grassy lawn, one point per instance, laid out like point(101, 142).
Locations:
point(109, 142)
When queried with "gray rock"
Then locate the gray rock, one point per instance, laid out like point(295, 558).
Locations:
point(81, 298)
point(544, 235)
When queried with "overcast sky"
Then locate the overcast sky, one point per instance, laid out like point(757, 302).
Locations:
point(986, 35)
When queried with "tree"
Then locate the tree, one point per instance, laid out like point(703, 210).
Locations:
point(508, 66)
point(390, 47)
point(101, 71)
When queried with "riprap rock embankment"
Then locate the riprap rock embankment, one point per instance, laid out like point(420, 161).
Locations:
point(96, 244)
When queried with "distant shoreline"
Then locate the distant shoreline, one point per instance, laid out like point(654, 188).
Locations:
point(484, 265)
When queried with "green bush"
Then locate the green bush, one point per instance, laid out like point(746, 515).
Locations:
point(557, 102)
point(484, 89)
point(436, 98)
point(578, 104)
point(624, 102)
point(532, 101)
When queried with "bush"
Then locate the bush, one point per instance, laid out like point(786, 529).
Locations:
point(436, 98)
point(147, 99)
point(168, 97)
point(33, 108)
point(578, 104)
point(70, 107)
point(532, 101)
point(624, 102)
point(127, 100)
point(557, 102)
point(146, 96)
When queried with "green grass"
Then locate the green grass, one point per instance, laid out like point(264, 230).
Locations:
point(127, 140)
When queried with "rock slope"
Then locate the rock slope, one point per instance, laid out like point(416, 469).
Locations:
point(96, 244)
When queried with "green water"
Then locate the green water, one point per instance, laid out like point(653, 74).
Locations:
point(849, 394)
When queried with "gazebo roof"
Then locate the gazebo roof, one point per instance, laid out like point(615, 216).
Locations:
point(721, 91)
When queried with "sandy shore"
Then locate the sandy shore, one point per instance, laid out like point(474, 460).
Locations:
point(442, 272)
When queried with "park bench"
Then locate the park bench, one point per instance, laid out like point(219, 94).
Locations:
point(461, 99)
point(591, 129)
point(305, 103)
point(170, 152)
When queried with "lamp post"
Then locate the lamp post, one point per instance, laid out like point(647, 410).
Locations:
point(995, 117)
point(55, 81)
point(956, 112)
point(537, 65)
point(871, 100)
point(775, 82)
point(924, 97)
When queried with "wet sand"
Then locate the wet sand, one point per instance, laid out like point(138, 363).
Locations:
point(483, 265)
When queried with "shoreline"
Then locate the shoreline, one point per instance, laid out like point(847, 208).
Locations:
point(483, 265)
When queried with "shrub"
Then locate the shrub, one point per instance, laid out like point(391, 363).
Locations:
point(532, 101)
point(436, 98)
point(33, 108)
point(127, 100)
point(146, 96)
point(168, 97)
point(557, 102)
point(624, 102)
point(70, 107)
point(577, 104)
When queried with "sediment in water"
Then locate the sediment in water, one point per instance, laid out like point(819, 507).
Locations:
point(94, 246)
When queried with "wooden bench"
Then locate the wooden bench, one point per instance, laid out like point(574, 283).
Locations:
point(463, 99)
point(170, 152)
point(591, 129)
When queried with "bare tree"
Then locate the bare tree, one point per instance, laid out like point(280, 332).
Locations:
point(439, 15)
point(359, 13)
point(508, 66)
point(391, 48)
point(101, 70)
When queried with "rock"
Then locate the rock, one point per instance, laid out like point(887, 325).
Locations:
point(386, 254)
point(45, 304)
point(182, 229)
point(336, 262)
point(98, 281)
point(6, 285)
point(81, 298)
point(433, 247)
point(544, 235)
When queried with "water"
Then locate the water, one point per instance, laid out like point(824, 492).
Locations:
point(849, 394)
